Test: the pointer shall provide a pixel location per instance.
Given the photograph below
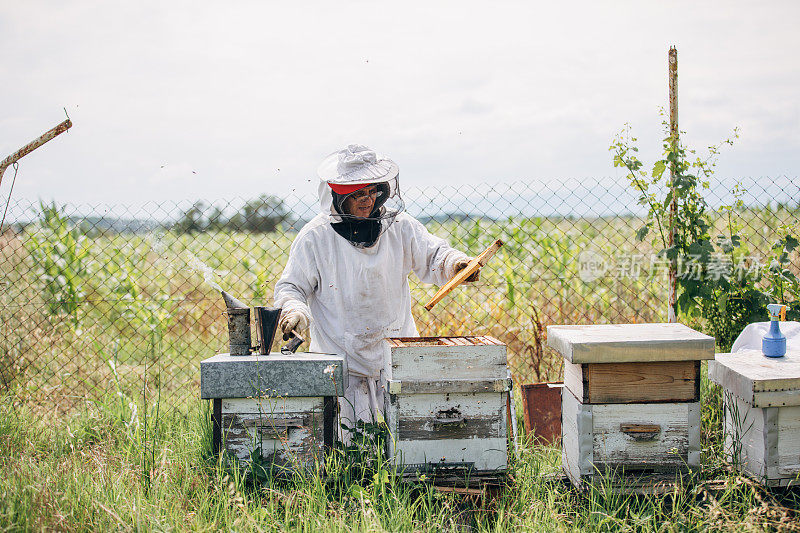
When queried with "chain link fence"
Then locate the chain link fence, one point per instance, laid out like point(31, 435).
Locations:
point(115, 303)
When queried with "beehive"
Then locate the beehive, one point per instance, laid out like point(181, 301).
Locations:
point(631, 404)
point(280, 407)
point(761, 407)
point(447, 406)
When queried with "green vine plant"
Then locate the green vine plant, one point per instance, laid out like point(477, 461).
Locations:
point(784, 284)
point(718, 287)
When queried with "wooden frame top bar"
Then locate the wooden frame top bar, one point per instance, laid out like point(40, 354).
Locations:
point(471, 340)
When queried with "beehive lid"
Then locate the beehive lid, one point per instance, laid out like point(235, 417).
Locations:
point(248, 376)
point(629, 343)
point(760, 381)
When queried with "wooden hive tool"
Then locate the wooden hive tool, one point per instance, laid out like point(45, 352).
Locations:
point(464, 273)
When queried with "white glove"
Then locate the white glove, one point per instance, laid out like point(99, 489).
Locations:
point(293, 320)
point(462, 264)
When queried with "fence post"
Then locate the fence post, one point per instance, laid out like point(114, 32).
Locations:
point(22, 152)
point(33, 145)
point(674, 132)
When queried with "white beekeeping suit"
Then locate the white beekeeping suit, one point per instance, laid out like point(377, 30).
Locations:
point(353, 290)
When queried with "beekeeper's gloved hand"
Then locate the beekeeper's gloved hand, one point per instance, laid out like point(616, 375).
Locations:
point(293, 320)
point(462, 264)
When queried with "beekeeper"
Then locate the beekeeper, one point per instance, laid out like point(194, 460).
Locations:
point(347, 274)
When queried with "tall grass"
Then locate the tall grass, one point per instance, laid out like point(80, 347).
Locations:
point(85, 474)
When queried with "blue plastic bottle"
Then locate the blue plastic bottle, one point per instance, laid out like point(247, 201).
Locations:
point(774, 342)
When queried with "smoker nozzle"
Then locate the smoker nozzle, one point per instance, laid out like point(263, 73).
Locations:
point(231, 302)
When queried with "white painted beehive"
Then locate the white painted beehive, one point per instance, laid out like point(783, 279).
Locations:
point(278, 407)
point(447, 405)
point(632, 400)
point(761, 403)
point(656, 439)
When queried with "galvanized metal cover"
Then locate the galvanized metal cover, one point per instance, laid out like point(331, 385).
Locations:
point(628, 343)
point(252, 376)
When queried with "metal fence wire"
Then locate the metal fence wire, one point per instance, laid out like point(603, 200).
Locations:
point(105, 303)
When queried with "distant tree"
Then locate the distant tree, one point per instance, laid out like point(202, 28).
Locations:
point(192, 220)
point(217, 220)
point(261, 215)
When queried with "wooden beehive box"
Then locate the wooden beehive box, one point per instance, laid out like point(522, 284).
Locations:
point(447, 406)
point(761, 406)
point(631, 403)
point(282, 407)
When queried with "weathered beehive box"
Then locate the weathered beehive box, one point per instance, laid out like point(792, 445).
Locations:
point(447, 406)
point(631, 403)
point(761, 406)
point(280, 406)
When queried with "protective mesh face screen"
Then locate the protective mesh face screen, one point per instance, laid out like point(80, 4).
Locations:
point(363, 232)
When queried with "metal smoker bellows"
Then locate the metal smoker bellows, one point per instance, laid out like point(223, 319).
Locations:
point(239, 336)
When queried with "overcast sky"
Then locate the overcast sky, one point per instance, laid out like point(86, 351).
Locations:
point(185, 100)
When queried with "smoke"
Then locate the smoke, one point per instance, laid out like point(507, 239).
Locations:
point(196, 265)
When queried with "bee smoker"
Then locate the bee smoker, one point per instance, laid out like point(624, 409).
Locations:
point(239, 336)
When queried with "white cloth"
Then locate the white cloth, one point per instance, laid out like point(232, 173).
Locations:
point(751, 335)
point(355, 297)
point(363, 400)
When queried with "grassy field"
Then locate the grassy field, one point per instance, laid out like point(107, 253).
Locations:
point(105, 468)
point(101, 428)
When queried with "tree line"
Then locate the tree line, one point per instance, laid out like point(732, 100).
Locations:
point(260, 215)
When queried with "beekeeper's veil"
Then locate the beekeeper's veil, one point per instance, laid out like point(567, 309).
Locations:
point(348, 171)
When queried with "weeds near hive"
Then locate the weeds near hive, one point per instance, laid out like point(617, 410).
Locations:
point(535, 351)
point(716, 286)
point(81, 474)
point(61, 253)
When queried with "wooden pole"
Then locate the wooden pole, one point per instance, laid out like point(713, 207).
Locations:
point(673, 206)
point(33, 145)
point(25, 150)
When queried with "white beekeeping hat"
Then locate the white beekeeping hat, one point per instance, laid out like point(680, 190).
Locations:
point(355, 165)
